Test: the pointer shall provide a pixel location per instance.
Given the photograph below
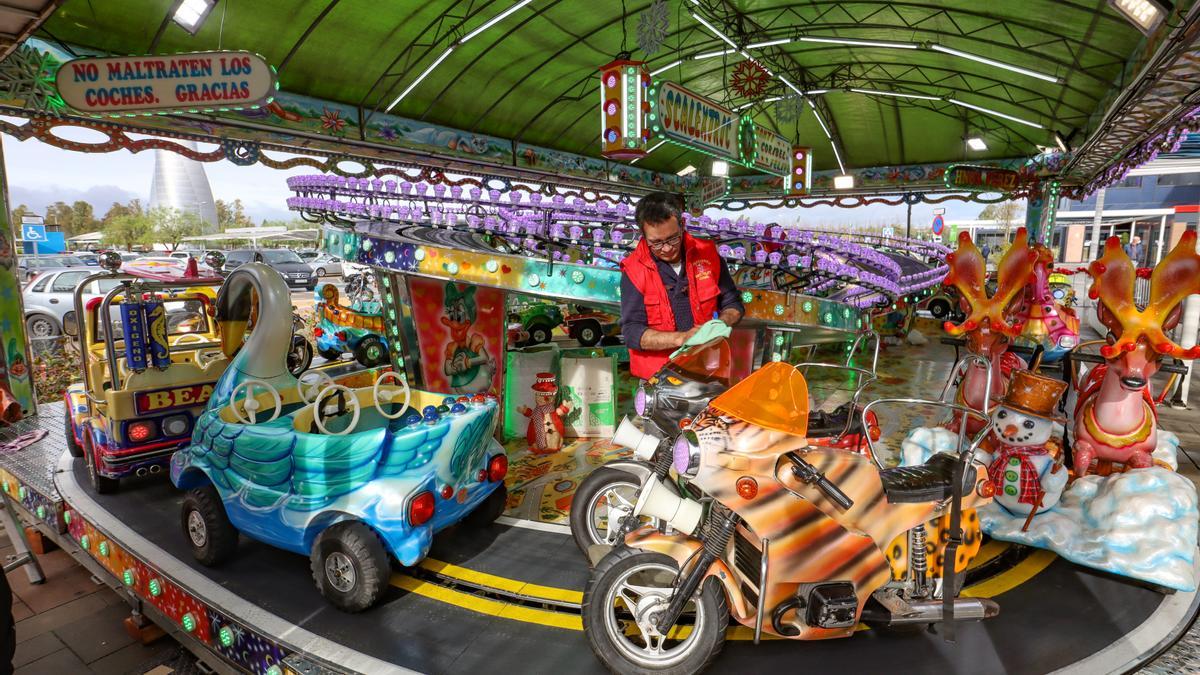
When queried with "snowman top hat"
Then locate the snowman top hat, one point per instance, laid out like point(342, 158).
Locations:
point(545, 384)
point(1032, 394)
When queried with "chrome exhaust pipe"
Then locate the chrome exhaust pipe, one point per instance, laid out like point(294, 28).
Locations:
point(894, 612)
point(155, 469)
point(140, 472)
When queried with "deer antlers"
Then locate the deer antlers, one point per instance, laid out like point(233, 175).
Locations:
point(1173, 279)
point(968, 270)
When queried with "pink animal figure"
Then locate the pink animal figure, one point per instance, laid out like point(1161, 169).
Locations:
point(986, 327)
point(545, 431)
point(1115, 419)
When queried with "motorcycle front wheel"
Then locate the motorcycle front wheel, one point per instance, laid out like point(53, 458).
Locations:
point(627, 592)
point(603, 498)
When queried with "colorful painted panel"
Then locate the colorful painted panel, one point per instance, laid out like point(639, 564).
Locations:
point(460, 331)
point(15, 383)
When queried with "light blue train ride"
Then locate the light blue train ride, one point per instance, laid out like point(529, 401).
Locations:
point(350, 477)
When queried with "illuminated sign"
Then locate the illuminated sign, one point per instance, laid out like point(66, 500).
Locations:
point(694, 121)
point(981, 178)
point(623, 109)
point(708, 190)
point(764, 149)
point(196, 82)
point(168, 399)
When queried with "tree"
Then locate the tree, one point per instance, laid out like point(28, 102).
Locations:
point(232, 215)
point(133, 208)
point(83, 218)
point(129, 230)
point(1005, 214)
point(172, 226)
point(19, 212)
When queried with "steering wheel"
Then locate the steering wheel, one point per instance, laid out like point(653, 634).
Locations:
point(312, 382)
point(183, 339)
point(343, 394)
point(250, 403)
point(207, 356)
point(383, 396)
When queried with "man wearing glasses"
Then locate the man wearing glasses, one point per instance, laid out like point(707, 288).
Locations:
point(671, 284)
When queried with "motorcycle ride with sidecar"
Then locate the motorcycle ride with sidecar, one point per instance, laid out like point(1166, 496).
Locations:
point(787, 538)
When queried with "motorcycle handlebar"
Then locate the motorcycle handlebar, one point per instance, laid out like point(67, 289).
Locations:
point(808, 474)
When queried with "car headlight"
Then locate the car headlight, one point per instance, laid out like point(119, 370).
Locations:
point(1068, 341)
point(176, 425)
point(685, 454)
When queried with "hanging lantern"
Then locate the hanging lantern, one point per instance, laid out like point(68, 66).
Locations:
point(624, 104)
point(798, 180)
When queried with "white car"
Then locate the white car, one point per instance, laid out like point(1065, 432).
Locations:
point(326, 265)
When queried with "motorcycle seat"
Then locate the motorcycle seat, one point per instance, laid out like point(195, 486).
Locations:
point(929, 482)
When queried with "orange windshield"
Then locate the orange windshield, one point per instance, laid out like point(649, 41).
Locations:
point(709, 360)
point(773, 397)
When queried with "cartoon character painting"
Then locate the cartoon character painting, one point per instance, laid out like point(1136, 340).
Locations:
point(1024, 464)
point(468, 364)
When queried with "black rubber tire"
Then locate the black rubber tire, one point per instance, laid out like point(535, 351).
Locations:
point(489, 510)
point(589, 489)
point(72, 445)
point(939, 308)
point(610, 567)
point(320, 271)
point(330, 354)
point(539, 334)
point(588, 333)
point(368, 346)
point(221, 537)
point(301, 355)
point(367, 555)
point(102, 484)
point(8, 632)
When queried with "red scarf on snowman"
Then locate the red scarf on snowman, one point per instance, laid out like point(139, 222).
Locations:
point(1030, 481)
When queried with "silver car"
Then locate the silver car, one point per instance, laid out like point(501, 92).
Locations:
point(325, 265)
point(49, 300)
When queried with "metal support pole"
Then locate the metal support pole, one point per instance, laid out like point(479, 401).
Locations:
point(908, 224)
point(16, 534)
point(1097, 220)
point(1158, 249)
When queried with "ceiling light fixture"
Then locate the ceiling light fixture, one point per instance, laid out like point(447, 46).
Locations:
point(1062, 143)
point(768, 43)
point(420, 77)
point(495, 20)
point(714, 31)
point(861, 43)
point(997, 113)
point(686, 171)
point(652, 149)
point(843, 182)
point(791, 86)
point(744, 106)
point(820, 121)
point(998, 64)
point(1145, 14)
point(897, 94)
point(190, 14)
point(976, 143)
point(713, 55)
point(665, 68)
point(814, 92)
point(720, 168)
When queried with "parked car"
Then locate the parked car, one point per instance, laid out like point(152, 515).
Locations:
point(539, 319)
point(309, 255)
point(49, 299)
point(90, 259)
point(589, 326)
point(181, 255)
point(325, 265)
point(32, 265)
point(294, 271)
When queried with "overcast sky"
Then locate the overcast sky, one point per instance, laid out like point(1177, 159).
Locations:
point(40, 174)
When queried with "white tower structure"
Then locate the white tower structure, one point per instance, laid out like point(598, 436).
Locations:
point(181, 183)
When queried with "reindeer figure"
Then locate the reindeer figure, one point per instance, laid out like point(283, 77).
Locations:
point(1115, 419)
point(987, 330)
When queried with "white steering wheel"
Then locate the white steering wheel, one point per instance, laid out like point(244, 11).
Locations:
point(312, 382)
point(384, 396)
point(207, 356)
point(250, 402)
point(183, 339)
point(318, 410)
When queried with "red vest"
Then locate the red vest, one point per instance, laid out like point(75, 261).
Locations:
point(703, 267)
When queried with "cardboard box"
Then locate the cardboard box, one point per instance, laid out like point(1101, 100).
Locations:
point(589, 382)
point(520, 371)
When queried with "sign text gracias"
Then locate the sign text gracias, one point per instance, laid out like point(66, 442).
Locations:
point(200, 81)
point(696, 121)
point(169, 399)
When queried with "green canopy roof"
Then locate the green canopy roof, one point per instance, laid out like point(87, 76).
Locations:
point(533, 75)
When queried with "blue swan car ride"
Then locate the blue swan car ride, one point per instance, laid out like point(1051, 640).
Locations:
point(349, 477)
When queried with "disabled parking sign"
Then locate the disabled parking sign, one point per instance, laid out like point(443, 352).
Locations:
point(33, 233)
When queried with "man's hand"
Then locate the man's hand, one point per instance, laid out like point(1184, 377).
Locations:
point(687, 335)
point(731, 316)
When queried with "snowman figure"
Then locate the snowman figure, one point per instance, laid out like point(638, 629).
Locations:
point(1022, 463)
point(545, 430)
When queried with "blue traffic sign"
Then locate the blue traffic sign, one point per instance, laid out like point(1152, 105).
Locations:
point(33, 232)
point(938, 225)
